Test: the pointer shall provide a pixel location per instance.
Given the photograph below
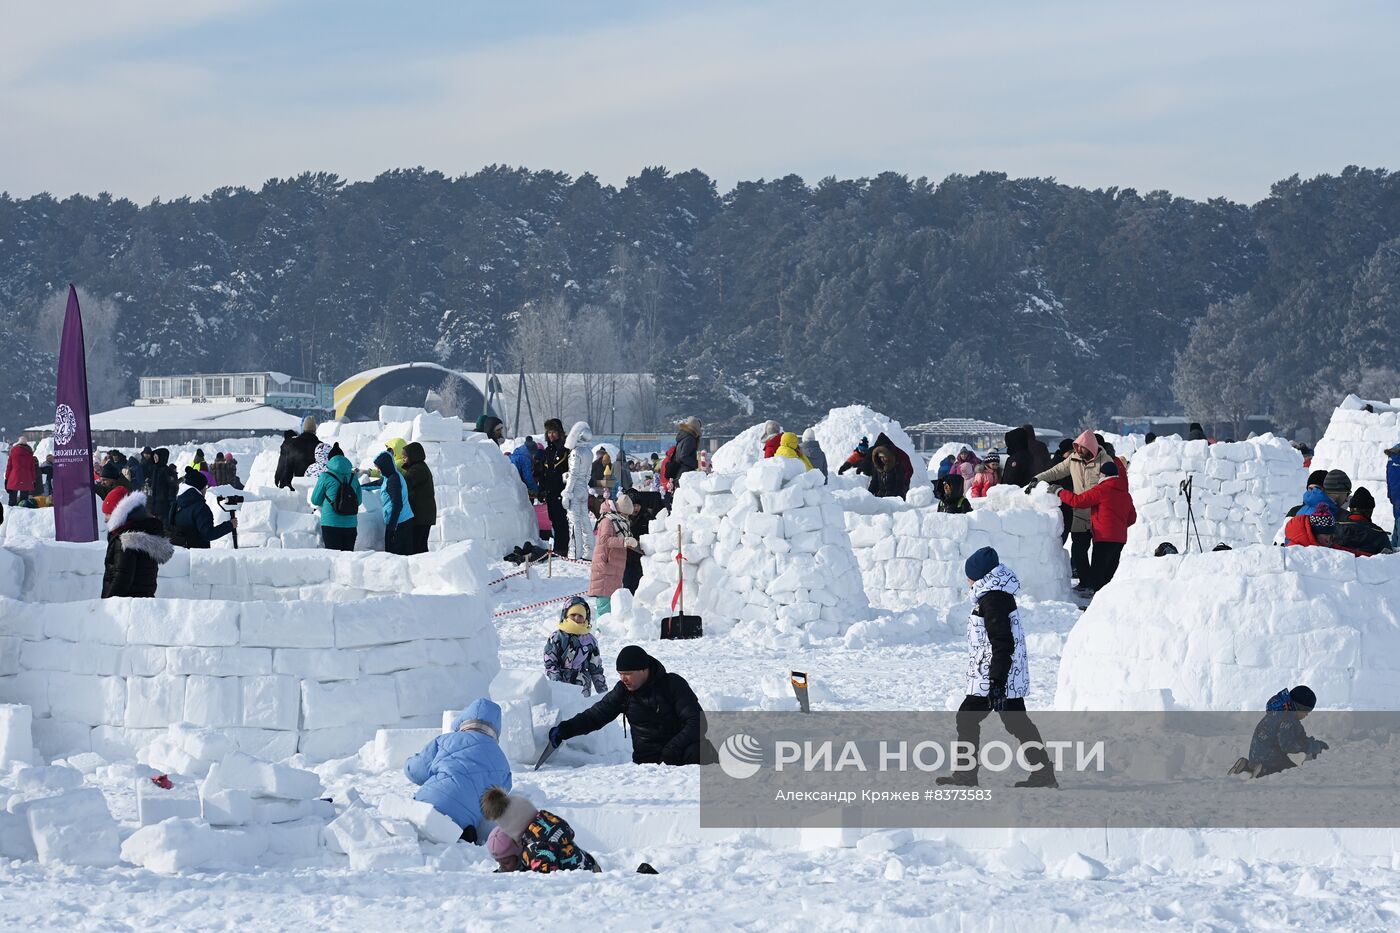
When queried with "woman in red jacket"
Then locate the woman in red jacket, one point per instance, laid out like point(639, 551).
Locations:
point(1111, 512)
point(21, 471)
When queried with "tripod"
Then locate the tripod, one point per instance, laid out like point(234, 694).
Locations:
point(1191, 526)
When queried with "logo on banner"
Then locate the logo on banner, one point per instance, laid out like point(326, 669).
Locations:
point(65, 425)
point(740, 756)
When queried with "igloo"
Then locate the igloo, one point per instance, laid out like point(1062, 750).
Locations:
point(766, 553)
point(1227, 630)
point(1240, 491)
point(480, 496)
point(838, 433)
point(1356, 441)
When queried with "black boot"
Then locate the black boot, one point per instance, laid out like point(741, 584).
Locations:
point(1044, 774)
point(959, 778)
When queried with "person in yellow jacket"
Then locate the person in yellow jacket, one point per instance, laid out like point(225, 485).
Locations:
point(788, 446)
point(397, 445)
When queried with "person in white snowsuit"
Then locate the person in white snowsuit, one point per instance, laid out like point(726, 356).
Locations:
point(998, 677)
point(578, 442)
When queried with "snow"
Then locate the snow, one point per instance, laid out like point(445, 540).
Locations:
point(198, 419)
point(837, 433)
point(1355, 442)
point(264, 850)
point(1225, 630)
point(1240, 491)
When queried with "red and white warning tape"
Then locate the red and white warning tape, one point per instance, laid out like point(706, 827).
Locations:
point(557, 599)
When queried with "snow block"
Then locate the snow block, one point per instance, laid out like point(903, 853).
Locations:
point(388, 620)
point(370, 701)
point(184, 622)
point(287, 625)
point(154, 803)
point(74, 828)
point(240, 771)
point(226, 808)
point(393, 747)
point(172, 847)
point(16, 734)
point(355, 828)
point(153, 702)
point(398, 852)
point(432, 825)
point(212, 701)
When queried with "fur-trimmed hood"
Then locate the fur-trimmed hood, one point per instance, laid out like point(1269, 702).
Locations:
point(124, 509)
point(155, 546)
point(579, 435)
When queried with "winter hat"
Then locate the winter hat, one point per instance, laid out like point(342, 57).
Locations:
point(625, 505)
point(554, 424)
point(1302, 697)
point(113, 497)
point(809, 435)
point(1322, 522)
point(1089, 442)
point(1362, 501)
point(1337, 483)
point(308, 424)
point(1109, 469)
point(195, 479)
point(864, 444)
point(500, 845)
point(569, 625)
point(633, 658)
point(982, 562)
point(1317, 478)
point(771, 428)
point(1165, 548)
point(511, 812)
point(691, 425)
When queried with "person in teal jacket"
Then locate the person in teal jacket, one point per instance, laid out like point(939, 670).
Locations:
point(337, 530)
point(397, 511)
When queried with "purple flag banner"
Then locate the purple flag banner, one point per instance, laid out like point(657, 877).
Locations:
point(74, 505)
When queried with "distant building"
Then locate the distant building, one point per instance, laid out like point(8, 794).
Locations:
point(972, 432)
point(208, 407)
point(1164, 425)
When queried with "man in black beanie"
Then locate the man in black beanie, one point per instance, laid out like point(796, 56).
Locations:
point(1355, 530)
point(666, 720)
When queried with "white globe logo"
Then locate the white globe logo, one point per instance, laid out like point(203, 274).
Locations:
point(65, 425)
point(740, 756)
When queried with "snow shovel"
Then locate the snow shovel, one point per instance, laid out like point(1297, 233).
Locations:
point(681, 625)
point(799, 687)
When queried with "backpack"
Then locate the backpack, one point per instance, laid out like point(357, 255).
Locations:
point(343, 503)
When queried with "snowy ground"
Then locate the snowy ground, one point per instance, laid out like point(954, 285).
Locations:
point(728, 881)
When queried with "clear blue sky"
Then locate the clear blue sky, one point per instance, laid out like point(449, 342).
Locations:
point(147, 98)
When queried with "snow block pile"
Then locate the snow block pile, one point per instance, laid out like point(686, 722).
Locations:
point(479, 494)
point(1241, 491)
point(1235, 628)
point(300, 671)
point(1356, 441)
point(244, 811)
point(912, 555)
point(766, 549)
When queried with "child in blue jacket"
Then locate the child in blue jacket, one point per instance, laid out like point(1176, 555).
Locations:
point(1280, 734)
point(455, 769)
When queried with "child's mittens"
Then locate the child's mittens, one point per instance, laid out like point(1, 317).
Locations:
point(1316, 747)
point(630, 542)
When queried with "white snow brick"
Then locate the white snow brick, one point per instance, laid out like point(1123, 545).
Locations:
point(154, 702)
point(355, 828)
point(220, 662)
point(762, 524)
point(16, 734)
point(268, 744)
point(240, 771)
point(91, 622)
point(154, 803)
point(388, 620)
point(270, 811)
point(411, 655)
point(47, 778)
point(172, 847)
point(287, 625)
point(336, 742)
point(90, 699)
point(432, 825)
point(370, 701)
point(117, 742)
point(213, 701)
point(393, 747)
point(204, 744)
point(766, 476)
point(270, 702)
point(430, 689)
point(74, 828)
point(15, 840)
point(184, 622)
point(84, 658)
point(317, 663)
point(296, 838)
point(226, 808)
point(398, 852)
point(784, 500)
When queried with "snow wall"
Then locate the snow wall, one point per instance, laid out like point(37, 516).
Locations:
point(1356, 441)
point(1227, 630)
point(1240, 492)
point(765, 550)
point(910, 554)
point(262, 651)
point(837, 433)
point(479, 494)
